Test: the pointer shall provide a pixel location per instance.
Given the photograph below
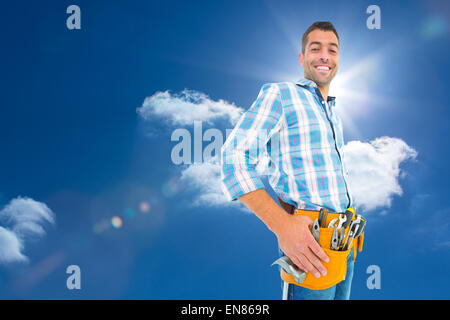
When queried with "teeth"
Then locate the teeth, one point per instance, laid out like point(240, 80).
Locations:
point(323, 68)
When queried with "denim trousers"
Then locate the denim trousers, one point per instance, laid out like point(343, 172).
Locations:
point(340, 291)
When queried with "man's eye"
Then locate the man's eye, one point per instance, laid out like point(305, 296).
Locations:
point(314, 49)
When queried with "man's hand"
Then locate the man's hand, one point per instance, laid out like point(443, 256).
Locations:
point(297, 242)
point(294, 236)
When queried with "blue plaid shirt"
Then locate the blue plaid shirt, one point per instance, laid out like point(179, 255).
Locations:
point(302, 137)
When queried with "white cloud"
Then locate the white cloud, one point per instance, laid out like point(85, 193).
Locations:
point(22, 219)
point(188, 106)
point(374, 170)
point(205, 179)
point(10, 247)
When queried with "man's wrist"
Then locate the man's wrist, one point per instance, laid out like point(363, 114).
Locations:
point(279, 222)
point(267, 210)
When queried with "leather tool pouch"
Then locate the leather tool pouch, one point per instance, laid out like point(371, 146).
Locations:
point(336, 267)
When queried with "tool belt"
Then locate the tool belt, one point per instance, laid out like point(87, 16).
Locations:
point(337, 265)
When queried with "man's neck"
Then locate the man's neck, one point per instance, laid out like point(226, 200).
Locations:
point(323, 89)
point(324, 92)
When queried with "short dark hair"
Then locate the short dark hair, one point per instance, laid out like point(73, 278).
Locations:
point(321, 25)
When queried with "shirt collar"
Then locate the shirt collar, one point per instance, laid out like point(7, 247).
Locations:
point(306, 82)
point(309, 83)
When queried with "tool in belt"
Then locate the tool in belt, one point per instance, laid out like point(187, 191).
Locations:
point(337, 234)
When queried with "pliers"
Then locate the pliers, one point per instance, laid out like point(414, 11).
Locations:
point(356, 228)
point(344, 220)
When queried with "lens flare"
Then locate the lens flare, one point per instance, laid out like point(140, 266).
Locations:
point(116, 222)
point(434, 27)
point(129, 213)
point(144, 206)
point(100, 226)
point(171, 187)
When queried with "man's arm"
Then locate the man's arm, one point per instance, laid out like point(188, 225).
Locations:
point(240, 180)
point(246, 143)
point(294, 236)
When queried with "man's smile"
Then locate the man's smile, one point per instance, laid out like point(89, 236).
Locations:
point(323, 68)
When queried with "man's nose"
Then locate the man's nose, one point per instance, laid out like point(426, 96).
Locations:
point(324, 55)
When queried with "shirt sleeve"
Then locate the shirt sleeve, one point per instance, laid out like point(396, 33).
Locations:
point(245, 144)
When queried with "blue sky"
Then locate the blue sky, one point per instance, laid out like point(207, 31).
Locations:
point(72, 140)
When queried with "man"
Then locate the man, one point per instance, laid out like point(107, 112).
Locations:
point(297, 126)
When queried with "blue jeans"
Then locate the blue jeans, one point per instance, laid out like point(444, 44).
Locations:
point(340, 291)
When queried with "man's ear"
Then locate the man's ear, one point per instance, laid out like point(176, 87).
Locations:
point(301, 58)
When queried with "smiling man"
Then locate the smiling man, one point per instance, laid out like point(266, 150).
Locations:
point(320, 55)
point(296, 125)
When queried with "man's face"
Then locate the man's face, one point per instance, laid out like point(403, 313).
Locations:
point(321, 58)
